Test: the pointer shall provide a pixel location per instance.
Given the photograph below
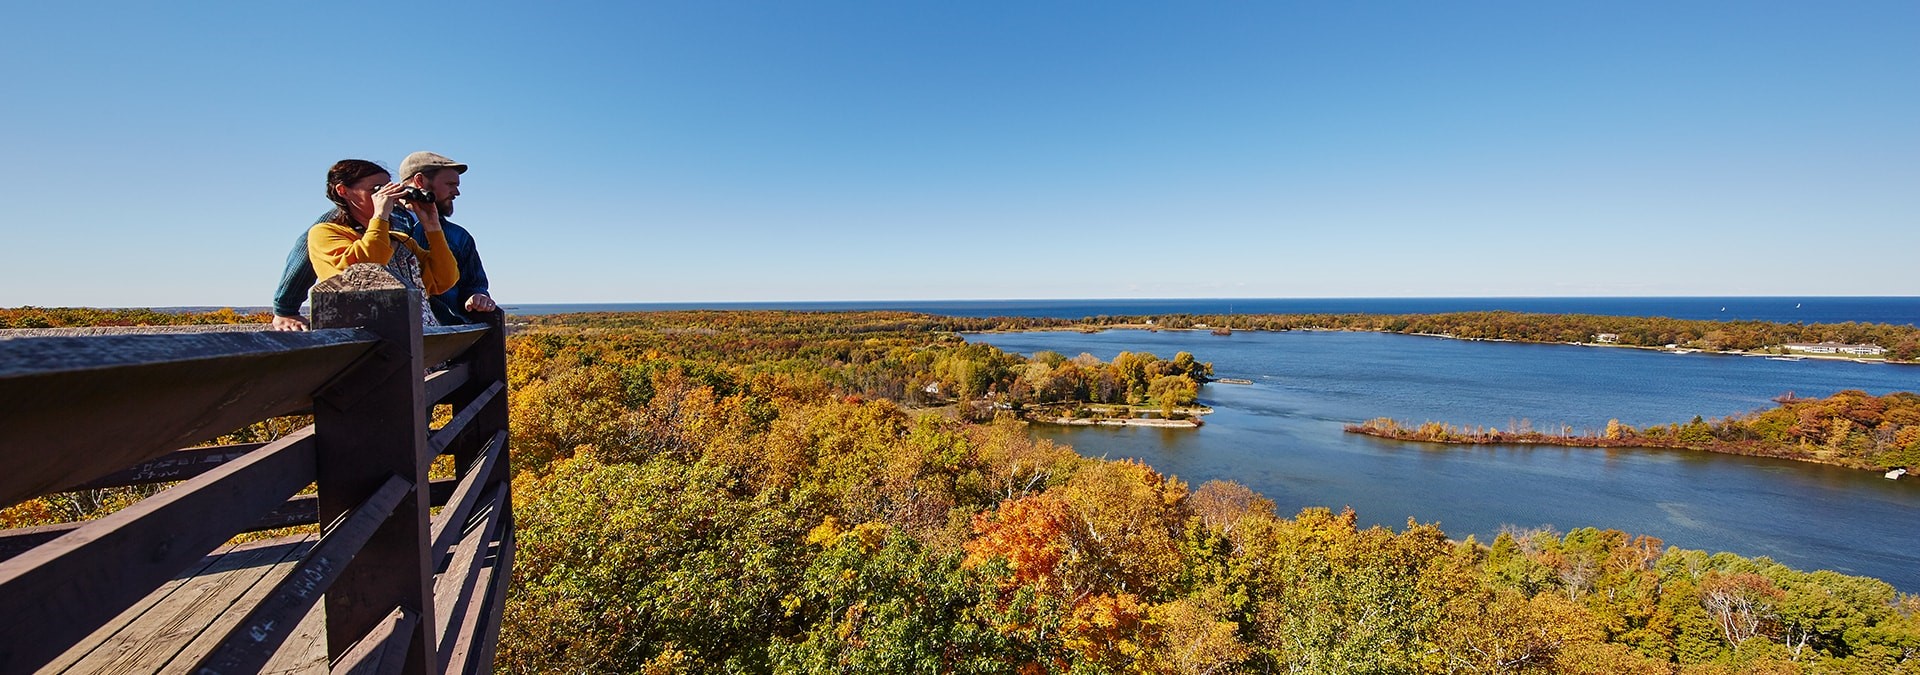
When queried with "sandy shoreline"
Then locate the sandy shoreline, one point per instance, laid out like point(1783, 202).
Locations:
point(1118, 422)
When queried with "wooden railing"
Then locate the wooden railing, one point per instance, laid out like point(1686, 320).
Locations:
point(404, 590)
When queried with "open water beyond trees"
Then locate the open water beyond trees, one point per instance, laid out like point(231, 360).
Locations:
point(1282, 436)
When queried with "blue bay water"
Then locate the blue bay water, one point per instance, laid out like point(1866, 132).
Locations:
point(1282, 436)
point(1896, 310)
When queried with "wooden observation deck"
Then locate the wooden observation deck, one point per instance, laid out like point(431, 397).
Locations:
point(386, 585)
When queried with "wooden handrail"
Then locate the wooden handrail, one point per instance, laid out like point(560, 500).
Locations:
point(440, 343)
point(98, 409)
point(128, 399)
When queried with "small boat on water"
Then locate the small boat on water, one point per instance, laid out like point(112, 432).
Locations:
point(1896, 474)
point(1233, 380)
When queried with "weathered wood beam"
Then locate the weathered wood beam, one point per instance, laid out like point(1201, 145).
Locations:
point(173, 466)
point(382, 650)
point(252, 643)
point(459, 509)
point(442, 383)
point(80, 408)
point(479, 645)
point(440, 344)
point(439, 440)
point(461, 593)
point(489, 359)
point(298, 510)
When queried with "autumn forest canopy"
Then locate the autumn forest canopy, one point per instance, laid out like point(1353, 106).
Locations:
point(785, 491)
point(774, 492)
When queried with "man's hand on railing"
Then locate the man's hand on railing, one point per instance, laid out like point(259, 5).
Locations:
point(479, 302)
point(289, 323)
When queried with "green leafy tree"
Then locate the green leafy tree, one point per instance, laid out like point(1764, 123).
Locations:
point(621, 564)
point(875, 600)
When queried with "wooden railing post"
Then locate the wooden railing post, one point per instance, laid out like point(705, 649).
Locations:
point(370, 425)
point(489, 363)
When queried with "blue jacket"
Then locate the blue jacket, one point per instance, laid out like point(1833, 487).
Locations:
point(297, 280)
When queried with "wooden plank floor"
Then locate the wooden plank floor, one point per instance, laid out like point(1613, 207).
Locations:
point(176, 625)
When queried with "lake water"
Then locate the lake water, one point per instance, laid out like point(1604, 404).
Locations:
point(1817, 309)
point(1282, 436)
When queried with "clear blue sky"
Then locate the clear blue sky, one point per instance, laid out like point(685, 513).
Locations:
point(167, 154)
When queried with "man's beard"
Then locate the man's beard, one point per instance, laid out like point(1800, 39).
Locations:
point(446, 207)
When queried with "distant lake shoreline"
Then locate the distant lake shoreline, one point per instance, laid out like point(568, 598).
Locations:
point(1779, 309)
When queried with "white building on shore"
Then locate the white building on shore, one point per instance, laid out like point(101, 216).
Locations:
point(1835, 348)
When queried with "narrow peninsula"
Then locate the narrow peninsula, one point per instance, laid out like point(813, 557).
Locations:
point(1850, 429)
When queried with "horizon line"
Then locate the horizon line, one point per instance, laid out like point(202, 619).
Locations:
point(238, 307)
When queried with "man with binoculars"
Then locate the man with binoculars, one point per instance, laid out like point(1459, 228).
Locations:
point(428, 176)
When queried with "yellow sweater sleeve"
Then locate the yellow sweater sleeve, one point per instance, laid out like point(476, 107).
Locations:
point(333, 247)
point(438, 269)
